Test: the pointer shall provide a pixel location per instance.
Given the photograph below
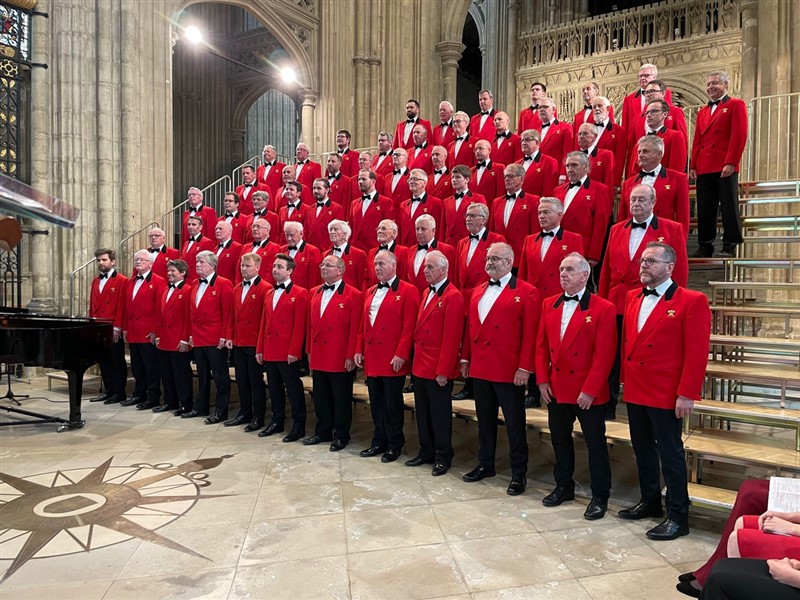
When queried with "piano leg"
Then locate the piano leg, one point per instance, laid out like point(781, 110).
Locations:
point(75, 381)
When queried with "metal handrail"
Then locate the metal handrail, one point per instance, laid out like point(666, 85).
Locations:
point(778, 155)
point(151, 224)
point(171, 225)
point(72, 285)
point(236, 174)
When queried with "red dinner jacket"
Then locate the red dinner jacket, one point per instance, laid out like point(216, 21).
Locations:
point(110, 304)
point(355, 191)
point(487, 131)
point(269, 216)
point(308, 258)
point(267, 251)
point(241, 226)
point(669, 356)
point(418, 278)
point(298, 215)
point(509, 151)
point(438, 332)
point(456, 220)
point(332, 335)
point(443, 134)
point(615, 139)
point(274, 179)
point(541, 177)
point(521, 223)
point(632, 106)
point(349, 163)
point(340, 191)
point(384, 168)
point(581, 118)
point(283, 328)
point(558, 141)
point(675, 121)
point(189, 254)
point(529, 119)
point(502, 344)
point(245, 320)
point(278, 200)
point(587, 215)
point(601, 166)
point(228, 265)
point(420, 158)
point(675, 152)
point(355, 262)
point(620, 272)
point(209, 222)
point(442, 188)
point(543, 274)
point(392, 333)
point(141, 313)
point(719, 139)
point(311, 170)
point(400, 191)
point(580, 361)
point(246, 195)
point(429, 205)
point(175, 321)
point(160, 260)
point(472, 274)
point(401, 252)
point(491, 184)
point(399, 142)
point(315, 229)
point(672, 197)
point(210, 320)
point(365, 226)
point(465, 154)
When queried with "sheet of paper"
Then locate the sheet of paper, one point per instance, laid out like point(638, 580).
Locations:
point(784, 494)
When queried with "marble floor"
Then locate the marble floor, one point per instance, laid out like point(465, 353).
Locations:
point(139, 505)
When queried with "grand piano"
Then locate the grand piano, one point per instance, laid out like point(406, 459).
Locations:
point(66, 343)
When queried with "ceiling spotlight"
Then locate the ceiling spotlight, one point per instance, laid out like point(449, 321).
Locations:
point(193, 34)
point(288, 75)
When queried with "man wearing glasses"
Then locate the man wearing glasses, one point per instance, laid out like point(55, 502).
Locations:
point(665, 345)
point(675, 149)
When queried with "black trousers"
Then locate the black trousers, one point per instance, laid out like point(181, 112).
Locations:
point(250, 383)
point(434, 411)
point(613, 376)
point(656, 433)
point(212, 362)
point(387, 408)
point(114, 370)
point(715, 194)
point(146, 372)
point(333, 403)
point(745, 579)
point(176, 377)
point(489, 396)
point(284, 379)
point(561, 418)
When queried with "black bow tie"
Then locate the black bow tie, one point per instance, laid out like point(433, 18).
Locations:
point(420, 147)
point(527, 158)
point(248, 185)
point(104, 276)
point(421, 199)
point(411, 120)
point(244, 283)
point(291, 247)
point(546, 125)
point(635, 225)
point(196, 239)
point(366, 198)
point(270, 164)
point(511, 196)
point(646, 291)
point(585, 151)
point(545, 234)
point(221, 246)
point(445, 124)
point(326, 286)
point(439, 171)
point(383, 247)
point(493, 282)
point(172, 286)
point(652, 132)
point(534, 107)
point(383, 154)
point(576, 184)
point(227, 214)
point(502, 135)
point(301, 162)
point(481, 164)
point(256, 245)
point(461, 138)
point(294, 206)
point(485, 112)
point(714, 102)
point(566, 298)
point(647, 174)
point(157, 250)
point(598, 124)
point(335, 249)
point(261, 213)
point(383, 285)
point(422, 247)
point(459, 195)
point(140, 277)
point(474, 236)
point(197, 209)
point(280, 286)
point(587, 107)
point(397, 172)
point(203, 281)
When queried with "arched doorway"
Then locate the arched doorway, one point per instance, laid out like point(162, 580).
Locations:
point(272, 119)
point(470, 67)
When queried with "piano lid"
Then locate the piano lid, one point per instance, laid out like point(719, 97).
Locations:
point(21, 199)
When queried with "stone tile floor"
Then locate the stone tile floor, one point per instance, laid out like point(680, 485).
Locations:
point(274, 520)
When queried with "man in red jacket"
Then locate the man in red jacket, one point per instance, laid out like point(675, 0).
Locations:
point(228, 253)
point(665, 344)
point(160, 252)
point(249, 186)
point(481, 125)
point(437, 340)
point(333, 325)
point(195, 242)
point(502, 321)
point(107, 302)
point(196, 208)
point(541, 171)
point(280, 347)
point(461, 151)
point(306, 257)
point(557, 138)
point(269, 174)
point(349, 158)
point(402, 133)
point(529, 116)
point(719, 139)
point(383, 350)
point(574, 351)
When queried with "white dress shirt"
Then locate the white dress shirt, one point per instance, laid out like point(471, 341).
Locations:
point(327, 295)
point(377, 299)
point(279, 292)
point(637, 235)
point(649, 303)
point(202, 287)
point(568, 310)
point(432, 293)
point(490, 296)
point(547, 240)
point(572, 192)
point(104, 280)
point(473, 244)
point(138, 283)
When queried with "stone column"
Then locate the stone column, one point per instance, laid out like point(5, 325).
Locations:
point(511, 61)
point(450, 54)
point(749, 49)
point(308, 106)
point(237, 146)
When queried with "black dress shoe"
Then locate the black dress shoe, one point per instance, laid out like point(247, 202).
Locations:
point(517, 486)
point(686, 576)
point(182, 411)
point(686, 587)
point(149, 405)
point(390, 456)
point(163, 408)
point(292, 436)
point(642, 511)
point(532, 402)
point(597, 509)
point(214, 419)
point(667, 530)
point(703, 252)
point(478, 473)
point(254, 426)
point(409, 389)
point(418, 461)
point(462, 395)
point(272, 429)
point(194, 413)
point(372, 451)
point(238, 420)
point(132, 401)
point(559, 496)
point(338, 445)
point(114, 399)
point(102, 397)
point(314, 440)
point(439, 469)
